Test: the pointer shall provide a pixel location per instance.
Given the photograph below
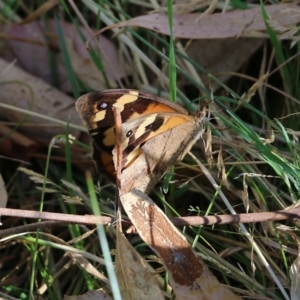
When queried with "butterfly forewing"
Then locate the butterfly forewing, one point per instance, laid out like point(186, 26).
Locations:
point(143, 115)
point(96, 108)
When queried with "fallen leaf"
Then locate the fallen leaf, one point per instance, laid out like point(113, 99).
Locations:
point(15, 144)
point(215, 26)
point(20, 90)
point(30, 43)
point(220, 57)
point(189, 277)
point(134, 278)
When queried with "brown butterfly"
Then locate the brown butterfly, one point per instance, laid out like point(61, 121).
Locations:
point(165, 128)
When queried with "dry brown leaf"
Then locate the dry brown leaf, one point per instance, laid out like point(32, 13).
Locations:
point(185, 6)
point(16, 144)
point(222, 56)
point(189, 278)
point(210, 287)
point(22, 90)
point(85, 69)
point(220, 25)
point(134, 278)
point(30, 44)
point(163, 237)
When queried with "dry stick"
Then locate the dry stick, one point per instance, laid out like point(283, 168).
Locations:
point(68, 218)
point(280, 215)
point(118, 127)
point(57, 219)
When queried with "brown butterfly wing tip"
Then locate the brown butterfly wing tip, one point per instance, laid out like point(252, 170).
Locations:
point(81, 103)
point(84, 109)
point(78, 105)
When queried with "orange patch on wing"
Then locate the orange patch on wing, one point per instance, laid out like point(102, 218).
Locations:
point(152, 109)
point(109, 139)
point(158, 107)
point(107, 163)
point(170, 123)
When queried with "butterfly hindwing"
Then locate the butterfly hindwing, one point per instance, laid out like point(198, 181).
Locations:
point(138, 131)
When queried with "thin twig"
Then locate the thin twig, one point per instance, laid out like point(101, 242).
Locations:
point(118, 127)
point(56, 219)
